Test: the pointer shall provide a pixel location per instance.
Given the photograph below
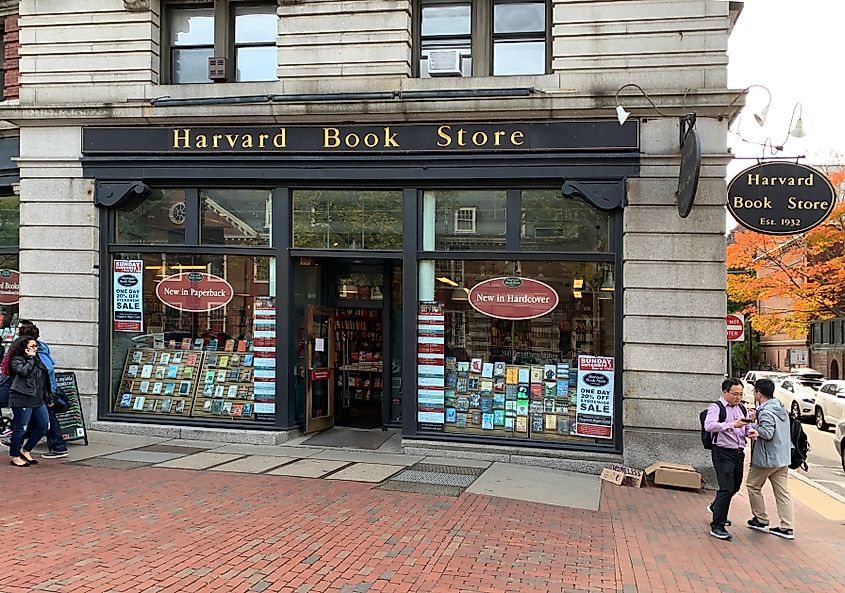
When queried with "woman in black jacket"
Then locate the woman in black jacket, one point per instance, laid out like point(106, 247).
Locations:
point(28, 397)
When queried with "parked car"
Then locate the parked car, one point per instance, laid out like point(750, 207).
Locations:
point(808, 377)
point(797, 397)
point(830, 404)
point(839, 441)
point(749, 379)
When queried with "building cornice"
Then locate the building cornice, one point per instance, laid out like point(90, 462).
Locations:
point(137, 5)
point(8, 7)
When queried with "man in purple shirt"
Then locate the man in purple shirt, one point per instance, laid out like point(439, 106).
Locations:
point(728, 451)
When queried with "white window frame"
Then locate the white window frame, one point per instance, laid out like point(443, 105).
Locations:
point(473, 219)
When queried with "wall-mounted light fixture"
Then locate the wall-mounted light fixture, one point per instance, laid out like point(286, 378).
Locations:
point(689, 144)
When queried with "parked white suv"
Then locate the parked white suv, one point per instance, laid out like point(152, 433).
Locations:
point(830, 404)
point(749, 379)
point(796, 397)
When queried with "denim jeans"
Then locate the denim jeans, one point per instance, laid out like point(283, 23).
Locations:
point(55, 441)
point(36, 418)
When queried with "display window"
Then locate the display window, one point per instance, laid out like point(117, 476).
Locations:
point(194, 336)
point(9, 266)
point(516, 349)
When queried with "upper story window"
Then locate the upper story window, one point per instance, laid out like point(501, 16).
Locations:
point(465, 220)
point(482, 37)
point(244, 33)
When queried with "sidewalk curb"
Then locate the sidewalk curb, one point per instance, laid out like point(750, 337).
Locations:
point(828, 491)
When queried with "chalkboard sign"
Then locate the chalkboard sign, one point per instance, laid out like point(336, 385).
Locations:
point(71, 422)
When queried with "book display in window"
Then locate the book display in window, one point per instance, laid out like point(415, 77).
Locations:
point(158, 381)
point(500, 399)
point(225, 386)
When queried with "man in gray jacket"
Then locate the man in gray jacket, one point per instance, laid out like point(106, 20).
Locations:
point(771, 453)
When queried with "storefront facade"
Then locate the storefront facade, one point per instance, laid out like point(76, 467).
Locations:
point(447, 290)
point(381, 249)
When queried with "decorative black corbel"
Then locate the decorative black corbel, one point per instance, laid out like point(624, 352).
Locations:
point(112, 193)
point(605, 195)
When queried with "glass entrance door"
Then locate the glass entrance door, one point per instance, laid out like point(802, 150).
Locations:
point(320, 369)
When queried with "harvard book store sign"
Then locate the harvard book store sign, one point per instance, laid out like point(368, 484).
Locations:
point(780, 198)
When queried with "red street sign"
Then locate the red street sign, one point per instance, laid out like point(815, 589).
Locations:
point(736, 327)
point(194, 292)
point(9, 287)
point(513, 298)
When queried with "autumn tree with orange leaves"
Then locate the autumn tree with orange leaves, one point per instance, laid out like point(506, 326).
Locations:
point(787, 282)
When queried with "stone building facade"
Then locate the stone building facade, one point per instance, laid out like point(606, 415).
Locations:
point(111, 64)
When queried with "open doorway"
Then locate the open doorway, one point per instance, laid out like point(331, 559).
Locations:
point(348, 325)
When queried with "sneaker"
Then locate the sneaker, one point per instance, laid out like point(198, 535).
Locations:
point(720, 533)
point(755, 523)
point(710, 510)
point(6, 433)
point(784, 533)
point(54, 454)
point(6, 443)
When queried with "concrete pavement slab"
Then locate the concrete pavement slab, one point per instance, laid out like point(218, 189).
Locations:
point(457, 462)
point(143, 456)
point(194, 443)
point(536, 484)
point(200, 460)
point(367, 457)
point(253, 464)
point(365, 472)
point(279, 450)
point(308, 468)
point(126, 441)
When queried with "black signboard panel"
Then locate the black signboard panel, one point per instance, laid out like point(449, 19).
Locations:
point(688, 175)
point(71, 422)
point(780, 198)
point(463, 137)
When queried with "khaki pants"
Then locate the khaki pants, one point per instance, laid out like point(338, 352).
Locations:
point(779, 477)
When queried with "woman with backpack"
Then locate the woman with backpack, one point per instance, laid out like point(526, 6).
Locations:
point(28, 399)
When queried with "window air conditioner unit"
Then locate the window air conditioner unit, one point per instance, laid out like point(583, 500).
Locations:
point(217, 69)
point(444, 62)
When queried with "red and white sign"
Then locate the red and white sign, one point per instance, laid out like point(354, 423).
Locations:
point(736, 327)
point(10, 287)
point(513, 298)
point(194, 292)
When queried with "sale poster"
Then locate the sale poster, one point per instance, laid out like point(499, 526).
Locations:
point(128, 296)
point(594, 397)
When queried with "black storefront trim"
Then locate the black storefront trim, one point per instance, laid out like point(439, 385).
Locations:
point(373, 171)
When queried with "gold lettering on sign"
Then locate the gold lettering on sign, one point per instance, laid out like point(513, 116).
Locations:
point(757, 179)
point(446, 137)
point(333, 138)
point(280, 140)
point(182, 138)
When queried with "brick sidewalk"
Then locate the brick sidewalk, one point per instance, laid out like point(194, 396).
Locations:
point(157, 530)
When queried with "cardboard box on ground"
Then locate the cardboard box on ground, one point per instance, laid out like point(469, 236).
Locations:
point(663, 474)
point(674, 474)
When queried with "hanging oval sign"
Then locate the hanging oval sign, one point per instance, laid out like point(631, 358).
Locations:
point(780, 198)
point(194, 292)
point(10, 287)
point(513, 298)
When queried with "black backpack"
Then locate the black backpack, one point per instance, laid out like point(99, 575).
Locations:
point(706, 436)
point(800, 445)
